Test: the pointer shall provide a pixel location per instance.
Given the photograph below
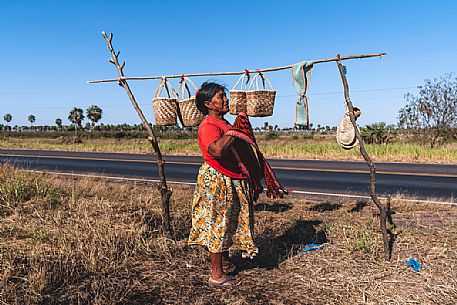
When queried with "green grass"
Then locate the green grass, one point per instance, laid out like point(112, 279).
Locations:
point(21, 187)
point(413, 151)
point(179, 147)
point(282, 147)
point(391, 152)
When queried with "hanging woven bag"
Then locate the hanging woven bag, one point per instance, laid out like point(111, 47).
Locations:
point(345, 133)
point(190, 114)
point(260, 102)
point(165, 108)
point(238, 96)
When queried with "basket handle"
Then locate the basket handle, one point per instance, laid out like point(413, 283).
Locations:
point(264, 78)
point(183, 85)
point(159, 88)
point(165, 83)
point(241, 81)
point(268, 81)
point(173, 92)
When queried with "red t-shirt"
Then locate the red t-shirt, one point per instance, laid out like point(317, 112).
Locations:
point(209, 131)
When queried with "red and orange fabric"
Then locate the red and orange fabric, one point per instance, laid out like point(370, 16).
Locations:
point(251, 160)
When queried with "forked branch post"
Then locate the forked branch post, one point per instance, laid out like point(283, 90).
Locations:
point(371, 165)
point(165, 192)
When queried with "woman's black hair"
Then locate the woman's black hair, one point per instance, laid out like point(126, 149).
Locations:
point(206, 93)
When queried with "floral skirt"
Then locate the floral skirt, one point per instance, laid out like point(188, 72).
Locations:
point(222, 213)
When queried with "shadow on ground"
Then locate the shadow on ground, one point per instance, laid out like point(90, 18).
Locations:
point(325, 206)
point(151, 296)
point(275, 249)
point(359, 206)
point(275, 208)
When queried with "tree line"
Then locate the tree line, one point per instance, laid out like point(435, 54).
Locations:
point(75, 116)
point(429, 117)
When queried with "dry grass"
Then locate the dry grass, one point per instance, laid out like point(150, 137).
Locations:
point(92, 241)
point(167, 146)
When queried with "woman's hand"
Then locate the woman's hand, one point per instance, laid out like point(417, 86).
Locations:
point(219, 148)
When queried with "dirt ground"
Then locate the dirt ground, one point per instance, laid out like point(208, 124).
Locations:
point(87, 241)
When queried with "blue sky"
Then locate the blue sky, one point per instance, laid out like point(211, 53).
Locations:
point(49, 49)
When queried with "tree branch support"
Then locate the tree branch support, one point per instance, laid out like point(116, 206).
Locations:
point(165, 192)
point(383, 211)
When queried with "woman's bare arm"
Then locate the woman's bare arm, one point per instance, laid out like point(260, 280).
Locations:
point(219, 148)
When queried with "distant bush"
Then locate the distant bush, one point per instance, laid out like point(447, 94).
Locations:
point(432, 115)
point(379, 133)
point(119, 135)
point(271, 135)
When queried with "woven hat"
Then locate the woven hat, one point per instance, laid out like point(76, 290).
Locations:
point(345, 133)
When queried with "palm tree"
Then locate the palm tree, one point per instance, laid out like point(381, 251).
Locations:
point(59, 123)
point(76, 116)
point(31, 118)
point(94, 113)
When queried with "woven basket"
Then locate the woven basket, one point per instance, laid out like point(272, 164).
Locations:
point(190, 114)
point(260, 102)
point(165, 108)
point(238, 97)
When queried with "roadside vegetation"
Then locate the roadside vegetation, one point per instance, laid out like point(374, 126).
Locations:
point(426, 132)
point(432, 115)
point(274, 144)
point(89, 241)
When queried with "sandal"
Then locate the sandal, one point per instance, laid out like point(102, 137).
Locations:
point(231, 281)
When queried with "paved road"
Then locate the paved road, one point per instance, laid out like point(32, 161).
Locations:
point(423, 181)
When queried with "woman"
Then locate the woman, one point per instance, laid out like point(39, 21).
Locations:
point(221, 218)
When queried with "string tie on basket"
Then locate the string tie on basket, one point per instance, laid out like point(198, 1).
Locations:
point(182, 78)
point(248, 76)
point(261, 76)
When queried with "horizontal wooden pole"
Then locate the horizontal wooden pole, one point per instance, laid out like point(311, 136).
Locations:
point(233, 73)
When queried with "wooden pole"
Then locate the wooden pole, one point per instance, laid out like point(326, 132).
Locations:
point(370, 163)
point(165, 192)
point(233, 73)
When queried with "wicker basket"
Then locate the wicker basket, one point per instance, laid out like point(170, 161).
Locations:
point(238, 97)
point(165, 108)
point(190, 114)
point(260, 102)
